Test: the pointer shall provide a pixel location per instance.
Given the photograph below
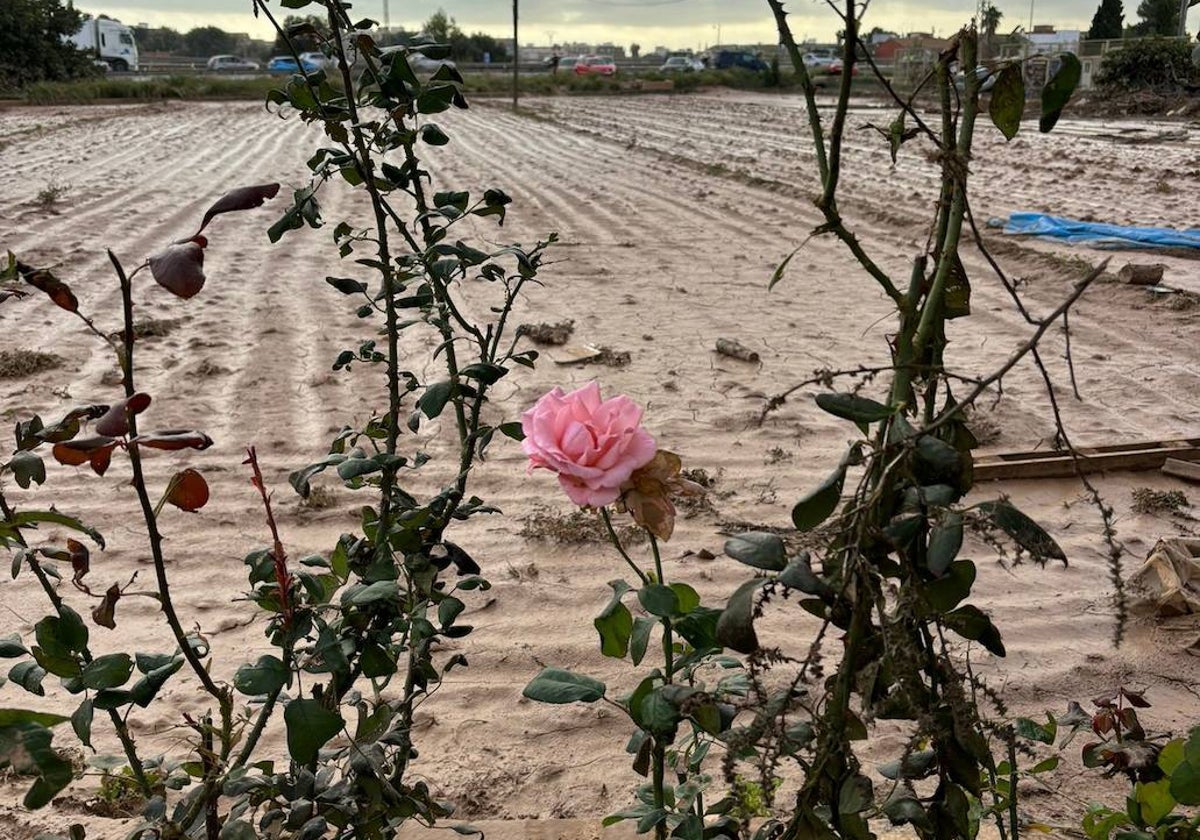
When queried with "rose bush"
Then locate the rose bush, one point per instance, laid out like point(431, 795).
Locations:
point(594, 445)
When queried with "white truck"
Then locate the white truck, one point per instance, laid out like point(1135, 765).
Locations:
point(109, 41)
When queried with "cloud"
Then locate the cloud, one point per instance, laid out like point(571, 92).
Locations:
point(668, 22)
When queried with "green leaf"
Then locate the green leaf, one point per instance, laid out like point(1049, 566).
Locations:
point(266, 676)
point(108, 671)
point(1058, 90)
point(777, 274)
point(1025, 532)
point(1154, 799)
point(27, 468)
point(688, 597)
point(29, 676)
point(145, 689)
point(760, 549)
point(903, 808)
point(658, 600)
point(915, 765)
point(18, 717)
point(640, 639)
point(948, 591)
point(435, 398)
point(361, 596)
point(816, 507)
point(658, 715)
point(735, 628)
point(309, 727)
point(615, 623)
point(1185, 782)
point(557, 686)
point(11, 646)
point(1045, 766)
point(1034, 731)
point(27, 518)
point(300, 478)
point(859, 410)
point(433, 135)
point(945, 540)
point(347, 285)
point(1008, 100)
point(81, 722)
point(855, 795)
point(971, 623)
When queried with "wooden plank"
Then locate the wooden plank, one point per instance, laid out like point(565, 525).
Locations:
point(1182, 469)
point(1150, 455)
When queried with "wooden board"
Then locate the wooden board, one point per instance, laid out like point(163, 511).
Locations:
point(1182, 469)
point(1051, 464)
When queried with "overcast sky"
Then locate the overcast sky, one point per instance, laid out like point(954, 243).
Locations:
point(672, 23)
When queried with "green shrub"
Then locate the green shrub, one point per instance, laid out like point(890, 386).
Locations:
point(1153, 62)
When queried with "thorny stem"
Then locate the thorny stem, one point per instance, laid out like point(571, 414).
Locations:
point(616, 541)
point(139, 483)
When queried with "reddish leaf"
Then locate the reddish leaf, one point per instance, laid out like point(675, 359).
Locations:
point(115, 422)
point(179, 269)
point(80, 559)
point(188, 490)
point(105, 613)
point(243, 198)
point(1136, 698)
point(80, 451)
point(58, 291)
point(100, 459)
point(173, 439)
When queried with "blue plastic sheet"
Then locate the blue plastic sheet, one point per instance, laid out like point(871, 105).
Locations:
point(1105, 236)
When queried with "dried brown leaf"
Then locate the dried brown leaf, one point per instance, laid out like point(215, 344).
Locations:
point(188, 490)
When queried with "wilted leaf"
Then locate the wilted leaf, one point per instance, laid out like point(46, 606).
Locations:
point(179, 269)
point(1058, 90)
point(1008, 100)
point(763, 550)
point(80, 559)
point(188, 490)
point(1024, 531)
point(58, 291)
point(96, 451)
point(242, 198)
point(859, 410)
point(27, 469)
point(105, 613)
point(115, 422)
point(735, 628)
point(174, 439)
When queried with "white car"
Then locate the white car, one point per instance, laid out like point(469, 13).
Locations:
point(681, 64)
point(317, 59)
point(231, 62)
point(814, 60)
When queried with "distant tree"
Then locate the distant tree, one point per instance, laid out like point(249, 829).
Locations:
point(477, 44)
point(1159, 17)
point(990, 21)
point(306, 33)
point(1108, 22)
point(635, 50)
point(32, 47)
point(441, 28)
point(158, 39)
point(208, 40)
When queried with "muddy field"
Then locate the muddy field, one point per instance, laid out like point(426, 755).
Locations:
point(672, 214)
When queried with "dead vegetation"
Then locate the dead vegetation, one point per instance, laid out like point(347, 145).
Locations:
point(575, 528)
point(18, 364)
point(1147, 500)
point(551, 335)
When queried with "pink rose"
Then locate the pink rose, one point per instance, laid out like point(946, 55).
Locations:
point(594, 445)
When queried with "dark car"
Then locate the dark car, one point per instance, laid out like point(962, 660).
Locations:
point(726, 59)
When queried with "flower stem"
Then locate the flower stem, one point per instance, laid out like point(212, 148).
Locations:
point(659, 755)
point(616, 541)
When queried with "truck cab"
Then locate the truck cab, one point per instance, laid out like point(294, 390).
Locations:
point(109, 41)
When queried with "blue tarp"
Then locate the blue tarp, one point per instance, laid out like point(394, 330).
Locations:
point(1105, 236)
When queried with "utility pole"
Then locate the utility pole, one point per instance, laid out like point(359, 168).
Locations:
point(1183, 7)
point(516, 55)
point(387, 19)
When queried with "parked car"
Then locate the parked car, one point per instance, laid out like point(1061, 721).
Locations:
point(231, 62)
point(835, 68)
point(681, 64)
point(726, 59)
point(287, 64)
point(814, 61)
point(595, 65)
point(984, 74)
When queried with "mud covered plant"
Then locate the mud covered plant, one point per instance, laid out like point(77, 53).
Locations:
point(355, 630)
point(888, 586)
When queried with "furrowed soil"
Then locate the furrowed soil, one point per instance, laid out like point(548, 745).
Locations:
point(672, 213)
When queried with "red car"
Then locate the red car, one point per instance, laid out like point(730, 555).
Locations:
point(835, 68)
point(596, 65)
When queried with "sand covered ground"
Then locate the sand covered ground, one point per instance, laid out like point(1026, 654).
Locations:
point(672, 214)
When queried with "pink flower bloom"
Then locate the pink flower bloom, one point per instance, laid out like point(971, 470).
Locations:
point(594, 445)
